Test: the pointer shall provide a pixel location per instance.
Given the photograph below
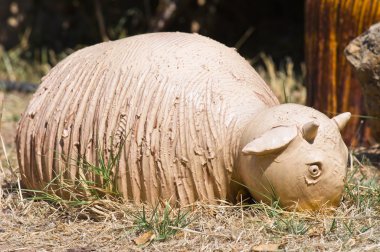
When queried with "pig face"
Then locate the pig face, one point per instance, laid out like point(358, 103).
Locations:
point(294, 154)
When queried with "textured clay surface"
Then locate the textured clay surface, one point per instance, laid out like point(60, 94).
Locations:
point(193, 121)
point(177, 103)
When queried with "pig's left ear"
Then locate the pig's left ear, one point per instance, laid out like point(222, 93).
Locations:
point(271, 141)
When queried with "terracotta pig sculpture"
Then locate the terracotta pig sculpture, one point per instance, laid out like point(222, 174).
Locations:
point(193, 120)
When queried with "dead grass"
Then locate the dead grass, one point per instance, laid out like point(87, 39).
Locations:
point(286, 84)
point(23, 64)
point(111, 225)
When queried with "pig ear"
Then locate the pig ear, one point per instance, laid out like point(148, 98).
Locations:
point(342, 119)
point(310, 130)
point(271, 141)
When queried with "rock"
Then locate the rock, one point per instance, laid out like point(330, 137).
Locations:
point(364, 55)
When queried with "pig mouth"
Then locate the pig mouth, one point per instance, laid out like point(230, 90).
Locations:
point(309, 181)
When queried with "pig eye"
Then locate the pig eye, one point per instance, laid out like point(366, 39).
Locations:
point(315, 170)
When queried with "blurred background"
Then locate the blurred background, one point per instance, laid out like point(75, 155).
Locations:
point(46, 29)
point(296, 46)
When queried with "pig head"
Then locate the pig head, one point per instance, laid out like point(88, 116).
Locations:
point(295, 155)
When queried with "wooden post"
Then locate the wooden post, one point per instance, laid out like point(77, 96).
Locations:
point(332, 86)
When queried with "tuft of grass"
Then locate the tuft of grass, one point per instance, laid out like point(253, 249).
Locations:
point(15, 66)
point(165, 223)
point(361, 190)
point(285, 82)
point(83, 191)
point(292, 224)
point(104, 169)
point(23, 63)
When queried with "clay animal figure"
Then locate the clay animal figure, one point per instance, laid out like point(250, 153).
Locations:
point(193, 121)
